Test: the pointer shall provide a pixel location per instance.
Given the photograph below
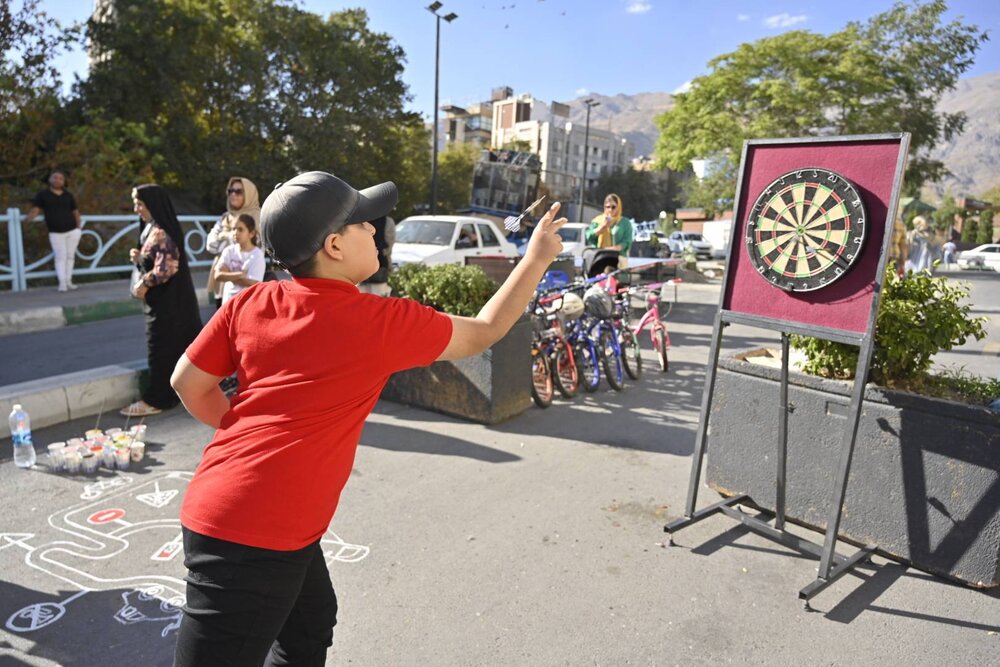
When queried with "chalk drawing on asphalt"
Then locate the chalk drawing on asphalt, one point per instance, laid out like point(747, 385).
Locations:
point(120, 514)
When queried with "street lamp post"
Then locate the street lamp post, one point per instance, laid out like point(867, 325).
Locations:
point(433, 8)
point(586, 148)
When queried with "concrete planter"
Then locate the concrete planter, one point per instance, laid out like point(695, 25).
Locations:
point(924, 483)
point(488, 388)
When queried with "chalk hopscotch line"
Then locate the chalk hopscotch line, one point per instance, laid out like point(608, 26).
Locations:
point(98, 532)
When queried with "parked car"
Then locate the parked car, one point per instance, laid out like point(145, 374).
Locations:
point(574, 238)
point(448, 239)
point(986, 256)
point(680, 240)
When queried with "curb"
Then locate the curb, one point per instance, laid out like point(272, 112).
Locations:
point(62, 398)
point(32, 319)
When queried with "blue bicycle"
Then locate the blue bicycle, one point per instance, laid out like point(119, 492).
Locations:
point(601, 330)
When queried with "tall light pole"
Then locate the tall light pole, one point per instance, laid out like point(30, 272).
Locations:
point(586, 148)
point(433, 8)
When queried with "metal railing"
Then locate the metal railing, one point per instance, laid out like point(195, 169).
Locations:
point(19, 269)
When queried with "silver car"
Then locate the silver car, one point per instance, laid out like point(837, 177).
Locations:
point(680, 240)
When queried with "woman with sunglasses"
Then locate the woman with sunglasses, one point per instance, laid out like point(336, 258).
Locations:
point(611, 230)
point(241, 198)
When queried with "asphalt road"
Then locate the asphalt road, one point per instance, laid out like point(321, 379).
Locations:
point(535, 542)
point(42, 354)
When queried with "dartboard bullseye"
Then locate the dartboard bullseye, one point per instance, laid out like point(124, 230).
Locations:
point(806, 229)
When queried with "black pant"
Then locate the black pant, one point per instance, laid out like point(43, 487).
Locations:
point(251, 606)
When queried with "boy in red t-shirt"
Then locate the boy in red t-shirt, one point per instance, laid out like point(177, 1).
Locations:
point(312, 355)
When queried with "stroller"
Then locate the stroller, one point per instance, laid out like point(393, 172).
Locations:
point(599, 260)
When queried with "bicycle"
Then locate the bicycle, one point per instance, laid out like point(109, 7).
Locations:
point(600, 306)
point(658, 330)
point(629, 334)
point(547, 314)
point(542, 388)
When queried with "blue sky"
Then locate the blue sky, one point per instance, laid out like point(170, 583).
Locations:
point(560, 49)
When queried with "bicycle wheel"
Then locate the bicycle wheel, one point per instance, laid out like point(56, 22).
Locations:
point(564, 370)
point(611, 359)
point(660, 343)
point(541, 378)
point(631, 354)
point(587, 369)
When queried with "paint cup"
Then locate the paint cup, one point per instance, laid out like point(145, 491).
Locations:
point(138, 432)
point(137, 451)
point(108, 456)
point(92, 433)
point(89, 463)
point(57, 456)
point(112, 432)
point(121, 438)
point(73, 460)
point(122, 458)
point(74, 442)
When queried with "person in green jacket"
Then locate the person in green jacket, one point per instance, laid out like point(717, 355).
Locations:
point(612, 230)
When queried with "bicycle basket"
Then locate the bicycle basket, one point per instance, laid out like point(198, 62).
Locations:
point(572, 306)
point(598, 302)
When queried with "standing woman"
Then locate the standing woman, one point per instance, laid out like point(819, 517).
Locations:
point(63, 220)
point(241, 199)
point(612, 230)
point(164, 284)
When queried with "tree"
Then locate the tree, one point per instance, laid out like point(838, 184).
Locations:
point(456, 168)
point(107, 159)
point(885, 75)
point(644, 194)
point(985, 234)
point(715, 191)
point(970, 230)
point(29, 94)
point(259, 88)
point(944, 216)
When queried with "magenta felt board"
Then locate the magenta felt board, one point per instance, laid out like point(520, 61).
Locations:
point(846, 304)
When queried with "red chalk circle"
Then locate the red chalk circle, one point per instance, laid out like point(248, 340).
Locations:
point(106, 516)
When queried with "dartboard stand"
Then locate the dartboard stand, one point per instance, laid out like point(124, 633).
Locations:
point(830, 293)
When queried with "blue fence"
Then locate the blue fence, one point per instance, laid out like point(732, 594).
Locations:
point(123, 231)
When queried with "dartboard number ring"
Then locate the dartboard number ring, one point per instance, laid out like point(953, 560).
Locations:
point(806, 229)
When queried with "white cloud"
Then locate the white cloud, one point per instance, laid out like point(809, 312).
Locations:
point(683, 88)
point(635, 7)
point(784, 20)
point(582, 91)
point(742, 17)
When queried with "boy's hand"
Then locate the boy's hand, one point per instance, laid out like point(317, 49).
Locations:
point(545, 242)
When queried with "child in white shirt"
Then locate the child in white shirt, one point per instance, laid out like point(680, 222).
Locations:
point(241, 264)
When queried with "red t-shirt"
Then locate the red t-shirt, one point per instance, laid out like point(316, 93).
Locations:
point(312, 357)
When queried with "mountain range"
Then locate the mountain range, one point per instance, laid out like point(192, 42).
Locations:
point(973, 158)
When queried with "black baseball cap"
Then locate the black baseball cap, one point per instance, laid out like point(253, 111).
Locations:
point(299, 214)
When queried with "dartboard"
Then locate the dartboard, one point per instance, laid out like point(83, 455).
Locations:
point(806, 229)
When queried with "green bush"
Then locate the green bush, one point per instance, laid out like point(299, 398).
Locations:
point(458, 290)
point(919, 316)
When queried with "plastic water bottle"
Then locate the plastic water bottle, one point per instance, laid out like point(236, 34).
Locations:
point(20, 434)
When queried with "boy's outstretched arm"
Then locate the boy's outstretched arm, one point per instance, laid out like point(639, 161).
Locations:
point(472, 335)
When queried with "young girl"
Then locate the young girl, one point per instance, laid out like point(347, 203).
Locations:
point(241, 264)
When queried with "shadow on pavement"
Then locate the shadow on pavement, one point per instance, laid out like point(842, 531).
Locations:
point(403, 439)
point(111, 627)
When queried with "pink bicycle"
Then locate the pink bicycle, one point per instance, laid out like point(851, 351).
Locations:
point(628, 336)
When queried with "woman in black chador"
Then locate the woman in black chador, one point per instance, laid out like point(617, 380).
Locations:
point(163, 282)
